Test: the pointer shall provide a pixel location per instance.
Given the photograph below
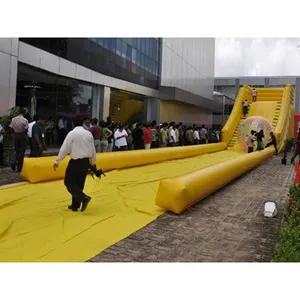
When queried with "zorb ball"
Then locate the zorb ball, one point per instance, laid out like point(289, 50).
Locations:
point(256, 124)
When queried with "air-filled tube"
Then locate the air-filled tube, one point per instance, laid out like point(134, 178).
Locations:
point(177, 194)
point(41, 169)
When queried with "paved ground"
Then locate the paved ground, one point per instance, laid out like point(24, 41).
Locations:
point(228, 226)
point(7, 176)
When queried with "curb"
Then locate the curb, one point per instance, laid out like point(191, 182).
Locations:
point(12, 185)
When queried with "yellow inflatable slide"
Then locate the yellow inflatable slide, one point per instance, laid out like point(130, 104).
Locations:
point(36, 226)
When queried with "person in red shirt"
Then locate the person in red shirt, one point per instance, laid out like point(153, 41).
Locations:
point(147, 137)
point(97, 133)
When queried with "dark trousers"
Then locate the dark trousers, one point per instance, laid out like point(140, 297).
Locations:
point(49, 137)
point(245, 108)
point(61, 135)
point(20, 147)
point(138, 145)
point(154, 145)
point(35, 149)
point(1, 154)
point(75, 179)
point(250, 149)
point(30, 146)
point(275, 146)
point(122, 148)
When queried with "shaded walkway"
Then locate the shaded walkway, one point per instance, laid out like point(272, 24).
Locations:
point(227, 226)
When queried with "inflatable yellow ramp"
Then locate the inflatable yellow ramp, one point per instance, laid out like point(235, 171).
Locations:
point(36, 226)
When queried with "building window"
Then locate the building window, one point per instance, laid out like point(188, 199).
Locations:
point(133, 56)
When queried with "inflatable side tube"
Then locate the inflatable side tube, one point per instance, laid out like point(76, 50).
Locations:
point(177, 194)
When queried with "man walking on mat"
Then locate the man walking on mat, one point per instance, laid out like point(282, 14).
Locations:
point(79, 144)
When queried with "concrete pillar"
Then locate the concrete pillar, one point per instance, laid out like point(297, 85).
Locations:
point(8, 73)
point(95, 101)
point(101, 102)
point(152, 110)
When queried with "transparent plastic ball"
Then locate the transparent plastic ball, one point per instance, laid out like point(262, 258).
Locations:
point(253, 123)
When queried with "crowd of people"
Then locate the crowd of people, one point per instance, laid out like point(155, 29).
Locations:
point(110, 136)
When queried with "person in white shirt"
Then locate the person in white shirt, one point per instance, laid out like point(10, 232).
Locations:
point(29, 133)
point(171, 135)
point(245, 107)
point(62, 129)
point(196, 136)
point(120, 139)
point(250, 141)
point(20, 126)
point(203, 135)
point(79, 144)
point(254, 95)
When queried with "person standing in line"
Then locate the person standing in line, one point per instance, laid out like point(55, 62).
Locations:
point(177, 136)
point(79, 144)
point(120, 138)
point(49, 131)
point(189, 136)
point(147, 137)
point(62, 130)
point(163, 135)
point(254, 95)
point(137, 136)
point(171, 135)
point(203, 135)
point(87, 123)
point(259, 136)
point(129, 137)
point(245, 107)
point(97, 133)
point(110, 139)
point(20, 126)
point(106, 135)
point(153, 134)
point(38, 138)
point(181, 134)
point(2, 131)
point(29, 133)
point(250, 141)
point(196, 136)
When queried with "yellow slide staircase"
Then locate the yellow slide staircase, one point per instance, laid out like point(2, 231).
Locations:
point(36, 225)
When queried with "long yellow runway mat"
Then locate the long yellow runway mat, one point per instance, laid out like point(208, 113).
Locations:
point(35, 224)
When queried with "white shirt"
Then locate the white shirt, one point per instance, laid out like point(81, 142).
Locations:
point(1, 135)
point(251, 140)
point(29, 133)
point(196, 135)
point(246, 103)
point(122, 141)
point(253, 92)
point(19, 124)
point(172, 135)
point(61, 124)
point(203, 133)
point(79, 143)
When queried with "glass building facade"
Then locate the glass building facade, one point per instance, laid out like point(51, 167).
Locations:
point(136, 60)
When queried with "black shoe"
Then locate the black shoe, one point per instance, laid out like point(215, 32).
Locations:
point(72, 208)
point(85, 203)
